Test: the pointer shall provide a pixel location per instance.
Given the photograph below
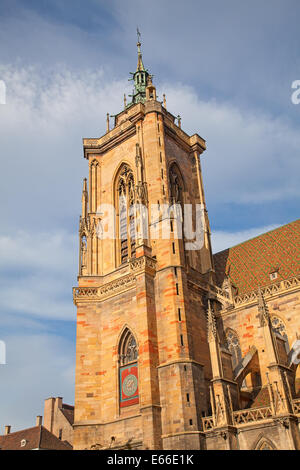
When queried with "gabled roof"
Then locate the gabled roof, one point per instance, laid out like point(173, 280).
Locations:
point(68, 412)
point(37, 437)
point(249, 264)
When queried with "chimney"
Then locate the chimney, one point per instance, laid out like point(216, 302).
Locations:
point(7, 429)
point(39, 421)
point(49, 413)
point(58, 402)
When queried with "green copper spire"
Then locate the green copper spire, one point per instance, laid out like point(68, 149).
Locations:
point(139, 77)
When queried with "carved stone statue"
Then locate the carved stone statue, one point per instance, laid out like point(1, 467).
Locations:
point(175, 187)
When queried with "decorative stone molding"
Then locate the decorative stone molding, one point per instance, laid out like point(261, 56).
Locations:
point(283, 421)
point(242, 417)
point(107, 290)
point(144, 263)
point(268, 291)
point(252, 415)
point(296, 406)
point(137, 265)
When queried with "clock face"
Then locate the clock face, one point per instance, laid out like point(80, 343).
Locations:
point(130, 385)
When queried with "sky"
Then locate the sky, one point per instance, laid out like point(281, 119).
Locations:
point(226, 67)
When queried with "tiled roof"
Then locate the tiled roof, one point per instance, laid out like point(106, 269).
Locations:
point(68, 412)
point(37, 437)
point(261, 399)
point(249, 264)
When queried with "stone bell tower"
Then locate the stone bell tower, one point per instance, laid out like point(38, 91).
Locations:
point(142, 358)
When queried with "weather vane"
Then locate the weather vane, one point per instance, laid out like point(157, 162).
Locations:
point(138, 34)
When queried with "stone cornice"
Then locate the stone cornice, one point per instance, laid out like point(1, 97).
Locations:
point(94, 422)
point(144, 264)
point(96, 147)
point(126, 128)
point(270, 292)
point(179, 361)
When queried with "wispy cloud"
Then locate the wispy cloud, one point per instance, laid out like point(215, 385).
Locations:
point(251, 157)
point(37, 271)
point(222, 239)
point(38, 366)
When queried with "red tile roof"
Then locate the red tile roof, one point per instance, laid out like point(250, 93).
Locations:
point(261, 399)
point(249, 264)
point(68, 412)
point(37, 437)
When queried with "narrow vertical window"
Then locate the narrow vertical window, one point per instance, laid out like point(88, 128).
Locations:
point(126, 223)
point(179, 314)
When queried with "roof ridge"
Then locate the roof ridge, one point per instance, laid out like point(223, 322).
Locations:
point(16, 432)
point(257, 236)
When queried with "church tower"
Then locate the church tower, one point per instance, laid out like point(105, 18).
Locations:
point(142, 357)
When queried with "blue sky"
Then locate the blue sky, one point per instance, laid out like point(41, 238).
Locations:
point(226, 67)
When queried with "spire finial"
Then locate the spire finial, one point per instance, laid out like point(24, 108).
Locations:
point(139, 76)
point(140, 65)
point(139, 37)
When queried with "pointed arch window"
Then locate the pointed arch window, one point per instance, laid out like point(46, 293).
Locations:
point(234, 347)
point(278, 327)
point(128, 370)
point(128, 349)
point(126, 220)
point(264, 443)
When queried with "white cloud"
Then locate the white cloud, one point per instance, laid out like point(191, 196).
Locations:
point(222, 239)
point(251, 157)
point(41, 130)
point(37, 272)
point(38, 366)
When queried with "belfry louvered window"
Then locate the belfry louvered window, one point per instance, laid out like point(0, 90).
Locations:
point(126, 222)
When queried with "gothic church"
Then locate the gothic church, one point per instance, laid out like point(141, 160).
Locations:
point(176, 348)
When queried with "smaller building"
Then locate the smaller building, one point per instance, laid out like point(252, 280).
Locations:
point(59, 418)
point(36, 438)
point(55, 434)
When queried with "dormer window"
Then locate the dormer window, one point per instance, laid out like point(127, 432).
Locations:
point(273, 274)
point(23, 442)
